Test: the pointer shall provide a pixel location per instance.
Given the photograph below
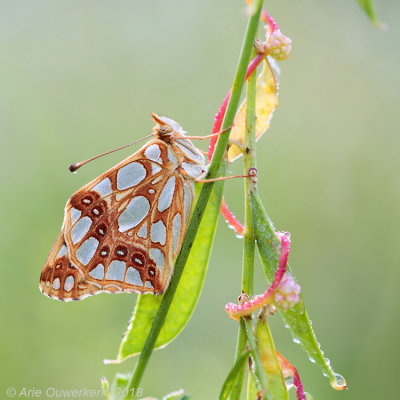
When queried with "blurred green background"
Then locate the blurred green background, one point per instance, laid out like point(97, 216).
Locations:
point(80, 77)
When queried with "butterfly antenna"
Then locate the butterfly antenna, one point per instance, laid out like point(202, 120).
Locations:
point(73, 167)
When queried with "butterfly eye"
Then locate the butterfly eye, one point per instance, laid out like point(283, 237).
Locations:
point(165, 129)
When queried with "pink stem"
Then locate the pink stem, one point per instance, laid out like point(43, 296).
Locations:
point(266, 18)
point(269, 20)
point(285, 249)
point(231, 220)
point(236, 311)
point(298, 385)
point(289, 369)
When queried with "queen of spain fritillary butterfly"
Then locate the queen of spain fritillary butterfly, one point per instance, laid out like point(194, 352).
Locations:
point(122, 231)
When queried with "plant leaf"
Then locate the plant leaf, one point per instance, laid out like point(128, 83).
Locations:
point(187, 292)
point(252, 391)
point(266, 350)
point(296, 318)
point(233, 375)
point(369, 7)
point(117, 390)
point(105, 387)
point(266, 103)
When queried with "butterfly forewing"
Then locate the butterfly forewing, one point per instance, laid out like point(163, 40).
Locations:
point(122, 231)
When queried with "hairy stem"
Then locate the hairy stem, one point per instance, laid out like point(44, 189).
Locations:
point(249, 243)
point(216, 166)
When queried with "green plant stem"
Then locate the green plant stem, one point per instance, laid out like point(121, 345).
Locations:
point(195, 220)
point(258, 370)
point(249, 158)
point(249, 241)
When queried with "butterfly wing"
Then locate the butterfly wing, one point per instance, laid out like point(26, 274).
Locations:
point(122, 231)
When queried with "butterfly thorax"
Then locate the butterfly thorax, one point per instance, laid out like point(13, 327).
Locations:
point(186, 156)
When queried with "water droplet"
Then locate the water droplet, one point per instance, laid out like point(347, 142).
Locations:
point(287, 326)
point(325, 374)
point(239, 236)
point(289, 381)
point(297, 341)
point(311, 360)
point(308, 396)
point(328, 362)
point(340, 382)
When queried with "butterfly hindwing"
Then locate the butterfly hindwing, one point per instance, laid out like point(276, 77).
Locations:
point(122, 231)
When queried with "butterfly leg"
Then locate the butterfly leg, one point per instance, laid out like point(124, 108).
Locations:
point(237, 143)
point(209, 136)
point(251, 174)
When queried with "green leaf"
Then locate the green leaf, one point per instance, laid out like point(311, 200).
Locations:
point(233, 375)
point(187, 292)
point(105, 387)
point(369, 7)
point(296, 318)
point(252, 391)
point(117, 390)
point(266, 350)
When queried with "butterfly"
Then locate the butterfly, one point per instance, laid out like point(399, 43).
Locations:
point(122, 231)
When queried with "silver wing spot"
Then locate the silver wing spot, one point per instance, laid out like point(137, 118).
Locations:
point(97, 272)
point(153, 153)
point(56, 284)
point(75, 214)
point(166, 195)
point(134, 213)
point(158, 257)
point(80, 229)
point(155, 168)
point(158, 232)
point(176, 231)
point(133, 277)
point(87, 250)
point(130, 175)
point(193, 170)
point(69, 283)
point(62, 252)
point(187, 199)
point(143, 231)
point(116, 271)
point(103, 187)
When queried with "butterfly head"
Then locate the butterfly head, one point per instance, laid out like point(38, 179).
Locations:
point(166, 127)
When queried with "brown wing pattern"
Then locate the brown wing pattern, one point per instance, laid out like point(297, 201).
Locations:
point(122, 231)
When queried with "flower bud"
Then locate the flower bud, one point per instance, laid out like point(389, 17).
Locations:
point(287, 293)
point(279, 46)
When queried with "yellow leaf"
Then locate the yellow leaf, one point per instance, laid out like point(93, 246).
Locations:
point(266, 103)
